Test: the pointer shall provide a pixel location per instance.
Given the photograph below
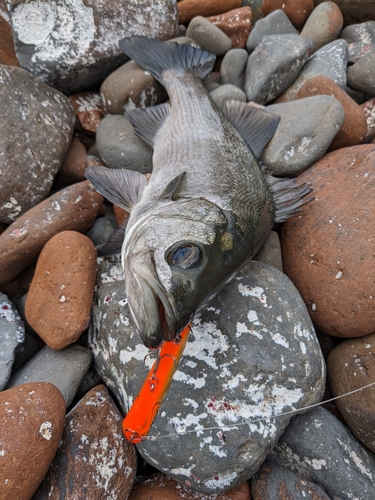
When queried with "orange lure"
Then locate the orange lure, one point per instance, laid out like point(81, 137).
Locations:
point(140, 416)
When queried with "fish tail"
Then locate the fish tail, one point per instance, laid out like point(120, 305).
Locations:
point(158, 57)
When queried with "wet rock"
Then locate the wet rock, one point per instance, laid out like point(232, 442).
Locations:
point(236, 24)
point(93, 451)
point(74, 165)
point(334, 278)
point(227, 92)
point(74, 208)
point(187, 9)
point(32, 418)
point(209, 37)
point(270, 253)
point(324, 24)
point(232, 69)
point(274, 65)
point(230, 362)
point(42, 120)
point(90, 110)
point(318, 447)
point(88, 31)
point(361, 75)
point(64, 369)
point(369, 110)
point(276, 23)
point(296, 10)
point(306, 129)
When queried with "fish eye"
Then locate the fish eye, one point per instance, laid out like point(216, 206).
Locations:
point(187, 256)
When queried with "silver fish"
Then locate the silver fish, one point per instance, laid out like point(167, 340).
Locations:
point(207, 208)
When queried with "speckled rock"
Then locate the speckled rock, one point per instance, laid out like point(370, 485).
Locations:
point(334, 279)
point(362, 33)
point(227, 92)
point(187, 9)
point(74, 165)
point(236, 24)
point(42, 119)
point(59, 301)
point(318, 447)
point(32, 418)
point(270, 252)
point(369, 110)
point(229, 373)
point(305, 131)
point(296, 10)
point(90, 110)
point(74, 208)
point(209, 36)
point(12, 336)
point(65, 369)
point(88, 31)
point(361, 75)
point(232, 69)
point(276, 23)
point(324, 24)
point(93, 451)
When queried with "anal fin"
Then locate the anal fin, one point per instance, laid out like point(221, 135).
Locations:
point(147, 121)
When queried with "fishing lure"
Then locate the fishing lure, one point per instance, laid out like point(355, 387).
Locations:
point(142, 413)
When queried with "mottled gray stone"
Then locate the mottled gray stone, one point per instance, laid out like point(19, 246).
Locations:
point(363, 33)
point(323, 25)
point(64, 369)
point(276, 23)
point(233, 66)
point(252, 354)
point(320, 448)
point(361, 76)
point(270, 252)
point(274, 65)
point(305, 131)
point(227, 92)
point(102, 229)
point(208, 36)
point(119, 147)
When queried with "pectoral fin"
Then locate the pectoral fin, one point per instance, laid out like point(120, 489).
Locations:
point(115, 242)
point(170, 190)
point(147, 121)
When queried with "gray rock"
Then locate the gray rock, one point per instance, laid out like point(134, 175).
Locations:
point(363, 33)
point(323, 25)
point(65, 369)
point(12, 336)
point(119, 147)
point(74, 45)
point(361, 76)
point(102, 229)
point(270, 252)
point(208, 36)
point(305, 131)
point(276, 23)
point(42, 120)
point(318, 447)
point(252, 354)
point(274, 65)
point(225, 92)
point(27, 350)
point(232, 69)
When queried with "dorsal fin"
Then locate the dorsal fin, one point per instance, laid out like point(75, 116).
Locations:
point(147, 121)
point(255, 125)
point(170, 190)
point(120, 186)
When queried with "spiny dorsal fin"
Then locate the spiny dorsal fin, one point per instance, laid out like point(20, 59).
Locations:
point(170, 190)
point(120, 186)
point(147, 121)
point(256, 125)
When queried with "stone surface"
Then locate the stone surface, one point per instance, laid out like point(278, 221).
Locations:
point(19, 285)
point(32, 418)
point(59, 301)
point(355, 12)
point(305, 131)
point(187, 9)
point(209, 36)
point(232, 69)
point(296, 10)
point(321, 449)
point(73, 46)
point(252, 354)
point(351, 366)
point(93, 451)
point(329, 250)
point(89, 109)
point(103, 228)
point(276, 23)
point(270, 253)
point(42, 120)
point(362, 33)
point(236, 24)
point(65, 369)
point(274, 65)
point(74, 165)
point(12, 336)
point(119, 147)
point(324, 24)
point(74, 208)
point(227, 92)
point(7, 52)
point(369, 110)
point(361, 75)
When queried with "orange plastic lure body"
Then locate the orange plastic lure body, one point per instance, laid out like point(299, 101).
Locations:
point(140, 416)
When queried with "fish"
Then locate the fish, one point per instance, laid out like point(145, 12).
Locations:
point(208, 205)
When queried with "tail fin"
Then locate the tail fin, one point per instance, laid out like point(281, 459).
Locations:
point(157, 56)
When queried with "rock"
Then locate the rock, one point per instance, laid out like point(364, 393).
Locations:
point(93, 451)
point(187, 9)
point(354, 127)
point(103, 228)
point(119, 147)
point(120, 214)
point(42, 120)
point(321, 449)
point(351, 366)
point(274, 65)
point(19, 285)
point(369, 110)
point(7, 52)
point(27, 350)
point(329, 61)
point(361, 74)
point(276, 23)
point(304, 134)
point(355, 12)
point(270, 252)
point(296, 10)
point(358, 50)
point(236, 24)
point(32, 418)
point(229, 373)
point(279, 483)
point(333, 278)
point(88, 32)
point(209, 37)
point(90, 110)
point(64, 369)
point(227, 92)
point(324, 24)
point(74, 208)
point(363, 33)
point(12, 336)
point(129, 87)
point(59, 301)
point(74, 165)
point(256, 7)
point(232, 69)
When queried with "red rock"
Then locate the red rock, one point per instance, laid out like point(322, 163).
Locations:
point(74, 166)
point(19, 285)
point(94, 460)
point(296, 10)
point(369, 110)
point(324, 24)
point(187, 9)
point(89, 109)
point(120, 214)
point(59, 301)
point(7, 52)
point(74, 208)
point(328, 252)
point(32, 418)
point(236, 24)
point(354, 127)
